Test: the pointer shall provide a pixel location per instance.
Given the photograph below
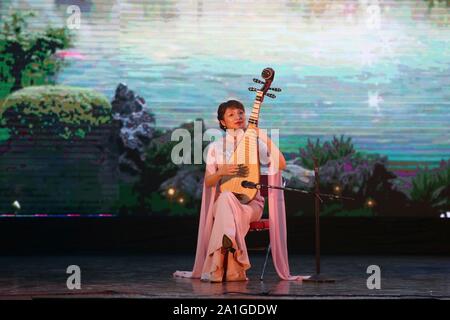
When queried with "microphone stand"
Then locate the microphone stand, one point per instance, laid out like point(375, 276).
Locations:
point(317, 277)
point(316, 194)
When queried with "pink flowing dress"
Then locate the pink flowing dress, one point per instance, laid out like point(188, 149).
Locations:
point(222, 213)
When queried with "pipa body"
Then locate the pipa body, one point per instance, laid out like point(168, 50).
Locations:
point(246, 154)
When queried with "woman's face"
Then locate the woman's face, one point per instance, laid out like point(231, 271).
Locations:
point(234, 118)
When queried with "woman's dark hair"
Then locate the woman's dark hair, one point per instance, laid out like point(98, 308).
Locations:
point(234, 104)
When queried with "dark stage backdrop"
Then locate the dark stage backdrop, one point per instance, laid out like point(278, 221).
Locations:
point(364, 89)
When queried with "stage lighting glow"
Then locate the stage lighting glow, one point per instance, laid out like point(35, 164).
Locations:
point(370, 203)
point(171, 191)
point(16, 205)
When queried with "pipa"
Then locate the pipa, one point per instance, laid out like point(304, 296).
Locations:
point(246, 152)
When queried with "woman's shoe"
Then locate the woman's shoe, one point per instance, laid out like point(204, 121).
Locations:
point(227, 247)
point(227, 244)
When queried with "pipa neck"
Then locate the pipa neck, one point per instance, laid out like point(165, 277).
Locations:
point(234, 134)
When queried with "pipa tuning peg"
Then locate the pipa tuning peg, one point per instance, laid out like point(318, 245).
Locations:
point(258, 81)
point(252, 89)
point(275, 89)
point(270, 95)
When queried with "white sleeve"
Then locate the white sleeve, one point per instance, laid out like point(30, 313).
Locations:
point(264, 157)
point(211, 161)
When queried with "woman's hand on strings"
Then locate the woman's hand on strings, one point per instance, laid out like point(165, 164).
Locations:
point(225, 170)
point(232, 170)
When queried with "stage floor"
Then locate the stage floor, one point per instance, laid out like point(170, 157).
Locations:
point(149, 276)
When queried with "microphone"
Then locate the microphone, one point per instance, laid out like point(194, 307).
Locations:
point(249, 184)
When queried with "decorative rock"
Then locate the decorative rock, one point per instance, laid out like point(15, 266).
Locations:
point(137, 129)
point(298, 176)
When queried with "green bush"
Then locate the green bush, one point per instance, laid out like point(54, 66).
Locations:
point(127, 199)
point(358, 175)
point(4, 132)
point(27, 56)
point(431, 188)
point(65, 111)
point(337, 149)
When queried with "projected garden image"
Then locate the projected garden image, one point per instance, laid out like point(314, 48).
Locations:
point(91, 92)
